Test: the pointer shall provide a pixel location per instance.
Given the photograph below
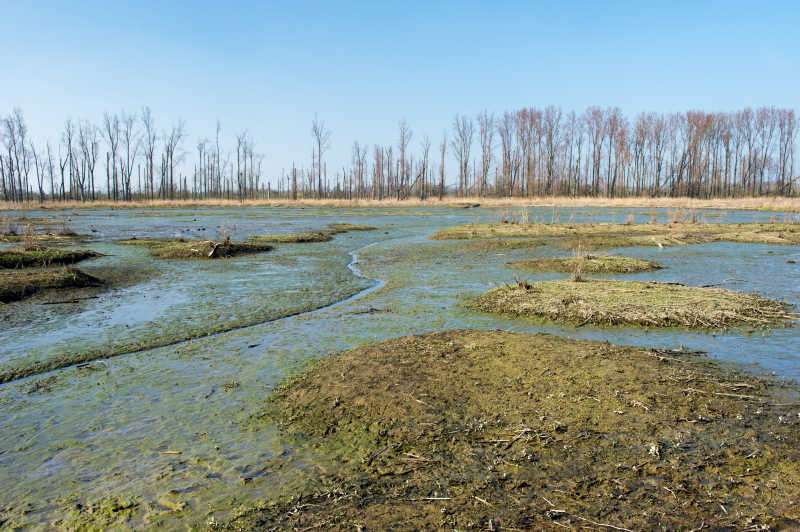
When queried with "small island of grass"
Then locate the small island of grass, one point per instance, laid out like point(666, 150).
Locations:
point(587, 264)
point(648, 304)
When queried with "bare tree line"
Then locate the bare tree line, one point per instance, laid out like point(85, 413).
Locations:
point(528, 152)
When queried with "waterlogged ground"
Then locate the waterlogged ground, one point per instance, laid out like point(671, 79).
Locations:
point(172, 434)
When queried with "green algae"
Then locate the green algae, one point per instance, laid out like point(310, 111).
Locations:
point(653, 304)
point(498, 430)
point(588, 264)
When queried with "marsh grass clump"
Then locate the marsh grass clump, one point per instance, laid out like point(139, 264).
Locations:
point(196, 250)
point(505, 244)
point(18, 284)
point(482, 430)
point(295, 238)
point(35, 255)
point(647, 304)
point(342, 227)
point(588, 263)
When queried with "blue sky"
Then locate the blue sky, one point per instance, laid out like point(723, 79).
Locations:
point(362, 66)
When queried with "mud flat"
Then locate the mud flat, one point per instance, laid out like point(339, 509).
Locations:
point(493, 430)
point(25, 258)
point(19, 284)
point(653, 304)
point(197, 250)
point(587, 264)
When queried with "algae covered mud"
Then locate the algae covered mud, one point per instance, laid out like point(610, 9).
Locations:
point(160, 414)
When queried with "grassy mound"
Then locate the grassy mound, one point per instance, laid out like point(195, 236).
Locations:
point(505, 244)
point(22, 258)
point(345, 227)
point(294, 238)
point(588, 264)
point(196, 249)
point(493, 430)
point(19, 284)
point(607, 302)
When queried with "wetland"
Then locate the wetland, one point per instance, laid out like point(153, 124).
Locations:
point(390, 371)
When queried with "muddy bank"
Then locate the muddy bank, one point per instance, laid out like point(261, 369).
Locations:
point(16, 285)
point(491, 430)
point(25, 258)
point(653, 304)
point(587, 264)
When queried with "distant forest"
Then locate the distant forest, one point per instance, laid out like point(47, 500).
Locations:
point(529, 152)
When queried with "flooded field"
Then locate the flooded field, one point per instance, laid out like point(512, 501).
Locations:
point(139, 405)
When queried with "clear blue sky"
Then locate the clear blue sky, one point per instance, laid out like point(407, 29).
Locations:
point(268, 67)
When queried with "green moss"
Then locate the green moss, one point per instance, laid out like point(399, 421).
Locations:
point(19, 284)
point(22, 258)
point(588, 264)
point(610, 302)
point(450, 430)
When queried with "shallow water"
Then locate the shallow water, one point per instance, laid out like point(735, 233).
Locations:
point(116, 425)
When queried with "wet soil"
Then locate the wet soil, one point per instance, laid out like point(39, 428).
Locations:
point(493, 430)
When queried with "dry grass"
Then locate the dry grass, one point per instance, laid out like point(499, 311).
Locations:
point(609, 302)
point(588, 264)
point(765, 203)
point(492, 430)
point(19, 284)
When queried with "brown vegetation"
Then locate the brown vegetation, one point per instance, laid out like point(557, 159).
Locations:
point(492, 430)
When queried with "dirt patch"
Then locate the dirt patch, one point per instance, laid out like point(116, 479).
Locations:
point(653, 304)
point(588, 264)
point(19, 284)
point(25, 258)
point(492, 430)
point(197, 249)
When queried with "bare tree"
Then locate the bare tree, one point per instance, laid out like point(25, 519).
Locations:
point(486, 131)
point(462, 144)
point(322, 139)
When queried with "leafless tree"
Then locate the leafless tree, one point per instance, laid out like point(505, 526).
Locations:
point(322, 141)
